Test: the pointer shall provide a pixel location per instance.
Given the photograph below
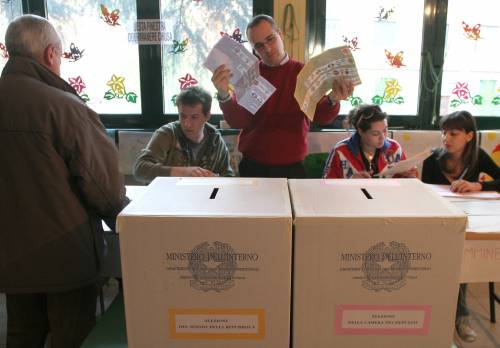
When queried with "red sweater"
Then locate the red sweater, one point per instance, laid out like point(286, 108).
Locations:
point(277, 133)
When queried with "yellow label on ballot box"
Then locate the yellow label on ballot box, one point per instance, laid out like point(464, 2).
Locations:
point(230, 324)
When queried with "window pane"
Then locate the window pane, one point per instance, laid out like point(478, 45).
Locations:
point(471, 73)
point(98, 61)
point(196, 29)
point(385, 37)
point(8, 11)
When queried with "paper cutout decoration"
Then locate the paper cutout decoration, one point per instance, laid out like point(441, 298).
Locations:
point(187, 81)
point(473, 33)
point(496, 100)
point(464, 96)
point(384, 14)
point(3, 51)
point(110, 18)
point(74, 53)
point(118, 90)
point(352, 44)
point(179, 47)
point(391, 93)
point(392, 89)
point(355, 101)
point(78, 84)
point(394, 61)
point(236, 35)
point(461, 90)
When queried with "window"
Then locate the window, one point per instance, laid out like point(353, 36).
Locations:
point(98, 60)
point(131, 84)
point(471, 73)
point(197, 26)
point(8, 11)
point(385, 38)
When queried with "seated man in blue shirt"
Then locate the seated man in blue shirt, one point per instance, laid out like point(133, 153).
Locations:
point(187, 147)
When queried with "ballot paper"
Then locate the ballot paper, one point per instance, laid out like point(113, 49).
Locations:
point(316, 77)
point(250, 88)
point(405, 165)
point(444, 191)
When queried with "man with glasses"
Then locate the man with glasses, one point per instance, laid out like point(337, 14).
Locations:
point(274, 140)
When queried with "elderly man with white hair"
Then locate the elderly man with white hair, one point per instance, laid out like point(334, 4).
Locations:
point(59, 177)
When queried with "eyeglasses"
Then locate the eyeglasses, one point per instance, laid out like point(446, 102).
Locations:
point(267, 41)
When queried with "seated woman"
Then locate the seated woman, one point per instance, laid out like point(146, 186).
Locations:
point(368, 151)
point(459, 163)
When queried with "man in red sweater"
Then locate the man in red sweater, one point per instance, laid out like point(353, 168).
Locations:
point(274, 140)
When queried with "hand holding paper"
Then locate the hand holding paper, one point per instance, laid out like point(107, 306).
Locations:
point(241, 70)
point(341, 89)
point(221, 77)
point(405, 165)
point(333, 69)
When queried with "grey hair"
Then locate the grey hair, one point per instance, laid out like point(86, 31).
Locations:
point(29, 35)
point(261, 18)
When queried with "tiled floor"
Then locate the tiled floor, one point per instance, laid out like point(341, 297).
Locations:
point(478, 303)
point(488, 334)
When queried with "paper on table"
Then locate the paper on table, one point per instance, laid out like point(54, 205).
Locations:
point(251, 89)
point(405, 165)
point(317, 76)
point(444, 191)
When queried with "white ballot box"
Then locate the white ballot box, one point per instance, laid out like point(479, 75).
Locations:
point(376, 264)
point(206, 262)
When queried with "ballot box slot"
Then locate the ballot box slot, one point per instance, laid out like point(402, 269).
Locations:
point(366, 193)
point(214, 193)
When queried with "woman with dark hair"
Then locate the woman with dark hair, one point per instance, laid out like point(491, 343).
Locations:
point(368, 151)
point(459, 163)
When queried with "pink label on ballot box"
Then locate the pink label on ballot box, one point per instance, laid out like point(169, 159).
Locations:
point(389, 320)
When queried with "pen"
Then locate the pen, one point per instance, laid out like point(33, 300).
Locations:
point(463, 174)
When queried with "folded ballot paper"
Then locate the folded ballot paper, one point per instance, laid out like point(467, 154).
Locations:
point(251, 89)
point(405, 165)
point(316, 77)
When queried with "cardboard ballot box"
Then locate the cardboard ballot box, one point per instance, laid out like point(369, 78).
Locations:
point(206, 262)
point(376, 264)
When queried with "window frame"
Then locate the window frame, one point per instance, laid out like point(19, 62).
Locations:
point(433, 40)
point(152, 115)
